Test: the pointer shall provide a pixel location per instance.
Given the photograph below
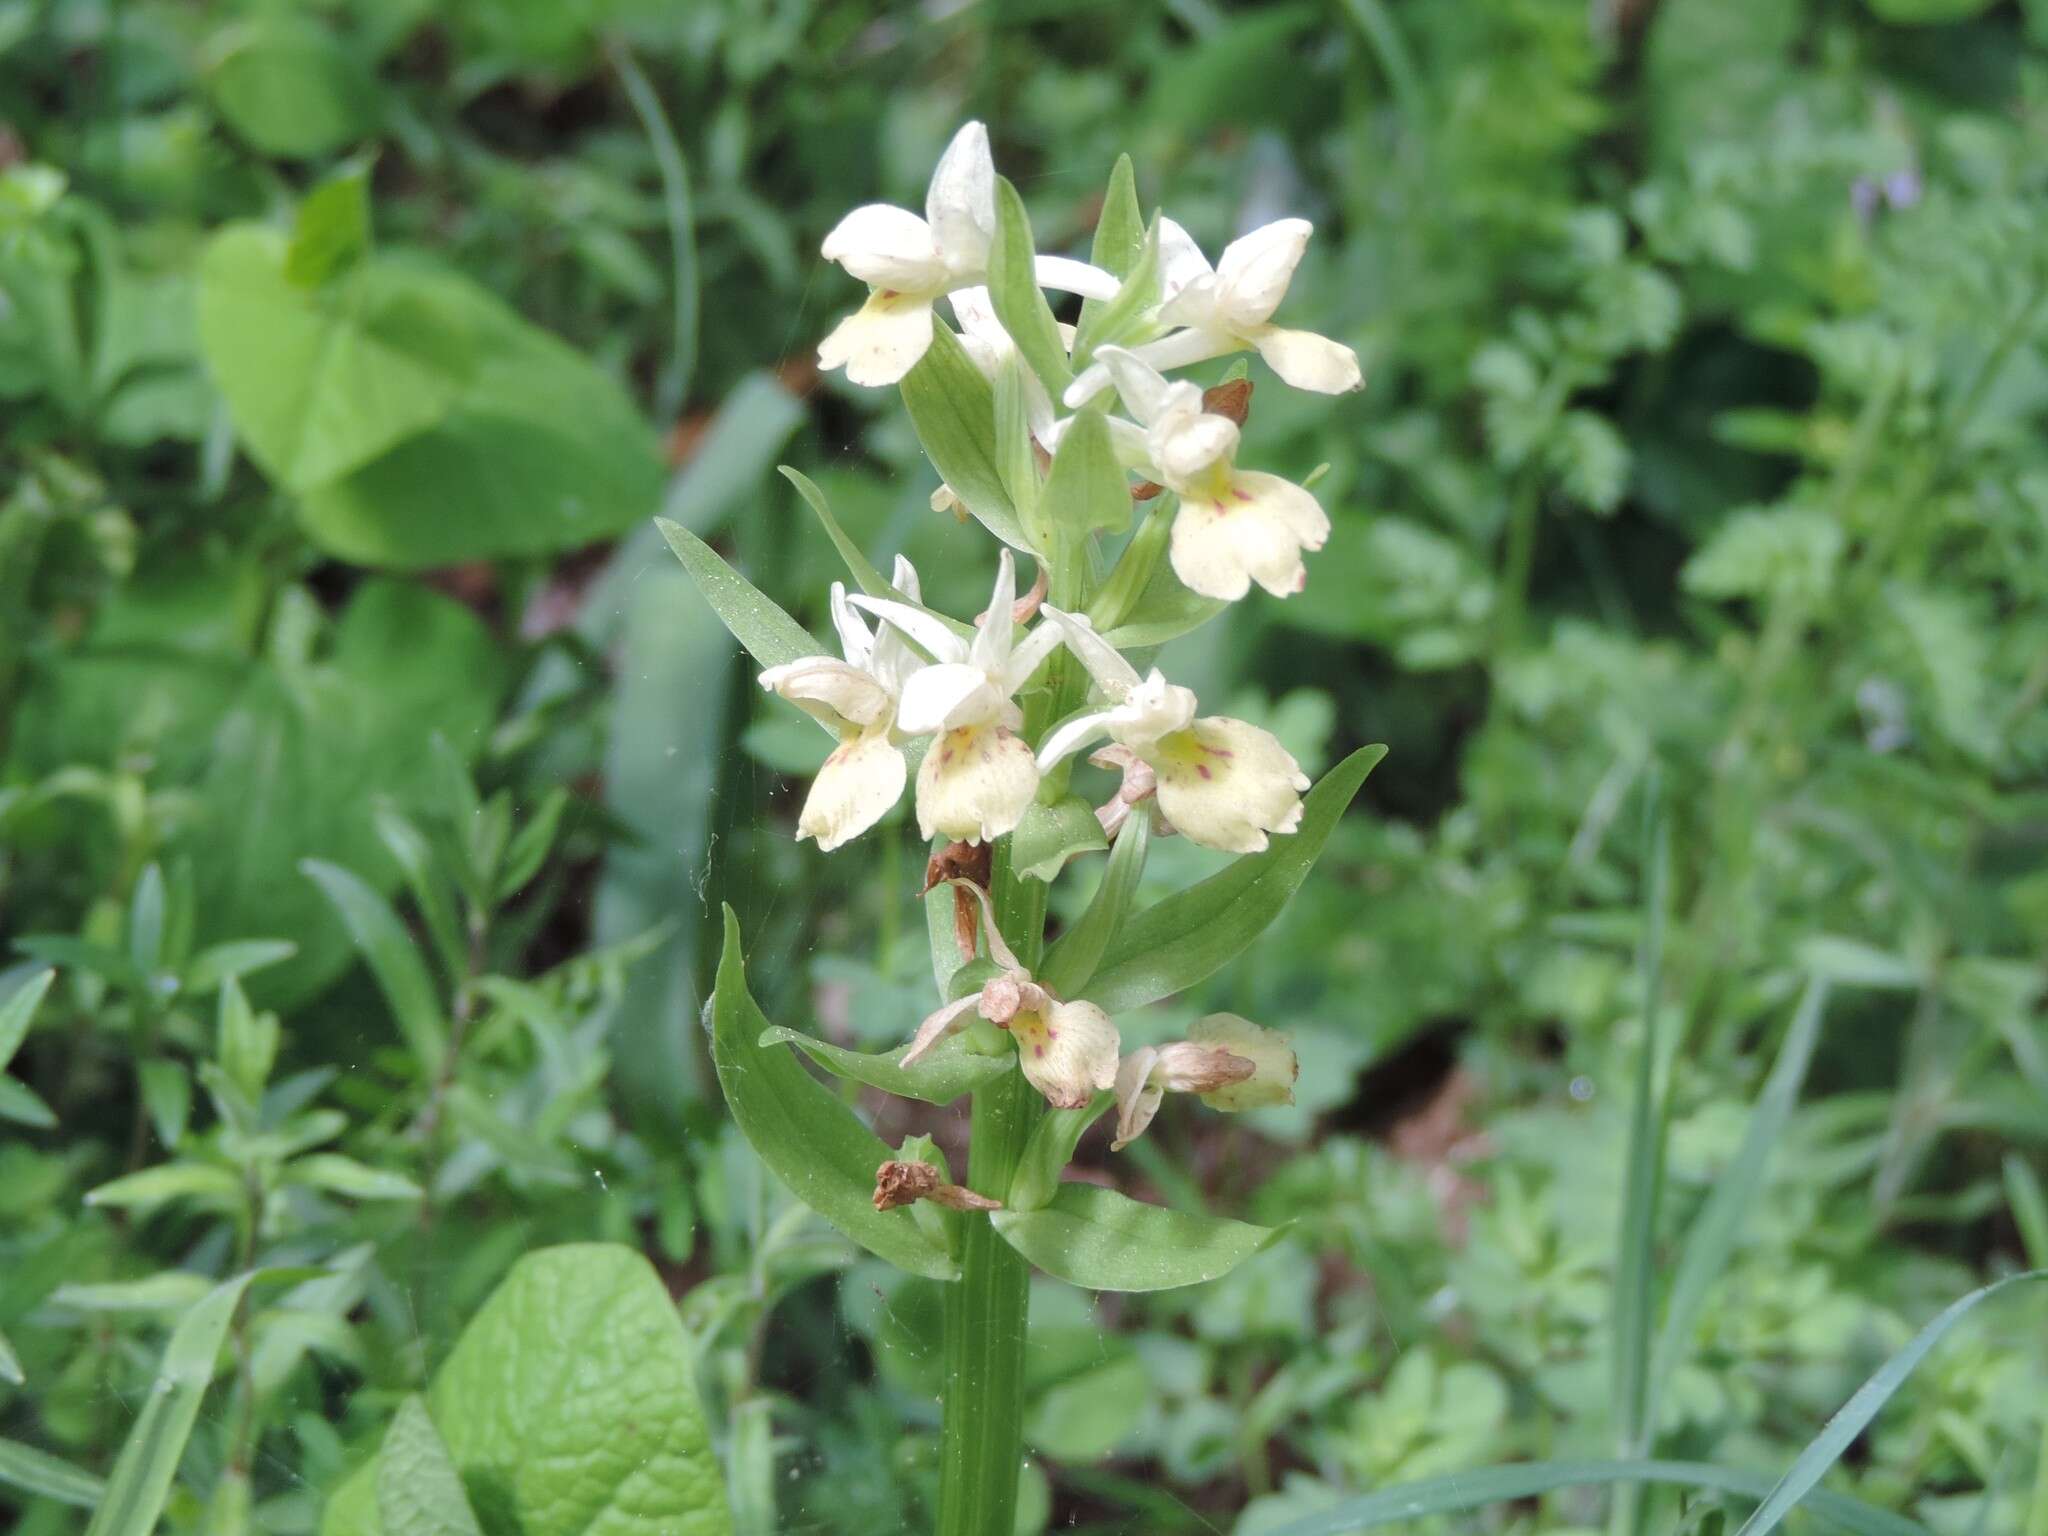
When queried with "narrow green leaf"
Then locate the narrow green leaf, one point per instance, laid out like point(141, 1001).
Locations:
point(424, 879)
point(82, 955)
point(808, 1138)
point(1120, 228)
point(2029, 1208)
point(1177, 942)
point(10, 1364)
point(858, 565)
point(393, 958)
point(1097, 1238)
point(1050, 835)
point(1016, 455)
point(19, 1010)
point(43, 1475)
point(1127, 317)
point(237, 957)
point(20, 1104)
point(939, 1076)
point(953, 410)
point(1070, 964)
point(150, 1187)
point(1086, 490)
point(1019, 301)
point(1163, 608)
point(1046, 1155)
point(167, 1095)
point(530, 847)
point(1855, 1415)
point(1500, 1485)
point(142, 1474)
point(1712, 1238)
point(172, 1290)
point(345, 1176)
point(419, 1492)
point(146, 921)
point(1644, 1173)
point(770, 636)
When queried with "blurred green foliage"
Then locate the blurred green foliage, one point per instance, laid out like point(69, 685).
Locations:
point(346, 350)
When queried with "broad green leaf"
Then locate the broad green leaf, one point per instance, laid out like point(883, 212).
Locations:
point(1050, 835)
point(1178, 941)
point(568, 1408)
point(769, 635)
point(1070, 964)
point(807, 1137)
point(859, 566)
point(953, 409)
point(320, 383)
point(142, 1474)
point(1126, 318)
point(43, 1475)
point(19, 1010)
point(1736, 1192)
point(1087, 490)
point(394, 959)
point(151, 1187)
point(419, 1492)
point(1019, 301)
point(332, 231)
point(1841, 1431)
point(939, 1076)
point(420, 419)
point(1415, 1501)
point(290, 87)
point(1097, 1238)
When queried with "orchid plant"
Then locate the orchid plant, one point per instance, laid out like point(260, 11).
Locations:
point(983, 720)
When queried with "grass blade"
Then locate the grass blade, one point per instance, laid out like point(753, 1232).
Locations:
point(1713, 1234)
point(149, 1457)
point(1635, 1267)
point(39, 1473)
point(1493, 1485)
point(1856, 1414)
point(394, 960)
point(674, 385)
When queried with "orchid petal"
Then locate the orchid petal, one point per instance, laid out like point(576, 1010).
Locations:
point(1255, 532)
point(949, 696)
point(1070, 276)
point(1305, 360)
point(1025, 659)
point(1227, 784)
point(931, 633)
point(1113, 675)
point(886, 247)
point(848, 691)
point(961, 202)
point(975, 784)
point(1071, 737)
point(1253, 273)
point(1069, 1052)
point(858, 784)
point(882, 340)
point(991, 642)
point(938, 1024)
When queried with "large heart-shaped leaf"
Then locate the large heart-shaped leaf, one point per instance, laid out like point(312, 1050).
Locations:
point(568, 1408)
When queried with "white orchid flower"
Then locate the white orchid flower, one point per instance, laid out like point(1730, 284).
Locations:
point(908, 262)
point(856, 700)
point(1234, 526)
point(1223, 783)
point(978, 774)
point(1066, 1050)
point(1230, 1062)
point(1229, 307)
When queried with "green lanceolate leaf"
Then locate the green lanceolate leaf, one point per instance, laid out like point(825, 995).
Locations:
point(1127, 317)
point(858, 565)
point(39, 1473)
point(419, 1492)
point(392, 956)
point(1855, 1415)
point(1120, 230)
point(770, 636)
point(141, 1479)
point(808, 1139)
point(1163, 609)
point(1095, 1237)
point(1176, 942)
point(1019, 301)
point(1070, 964)
point(939, 1076)
point(1712, 1238)
point(953, 409)
point(1087, 490)
point(332, 231)
point(1047, 1153)
point(1016, 453)
point(1499, 1485)
point(1050, 835)
point(567, 1407)
point(17, 1012)
point(10, 1363)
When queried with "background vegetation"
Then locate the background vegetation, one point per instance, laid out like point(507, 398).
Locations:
point(371, 777)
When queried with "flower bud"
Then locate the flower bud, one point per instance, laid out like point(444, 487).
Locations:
point(1274, 1065)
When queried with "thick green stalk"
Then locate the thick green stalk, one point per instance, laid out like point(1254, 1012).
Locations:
point(988, 1311)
